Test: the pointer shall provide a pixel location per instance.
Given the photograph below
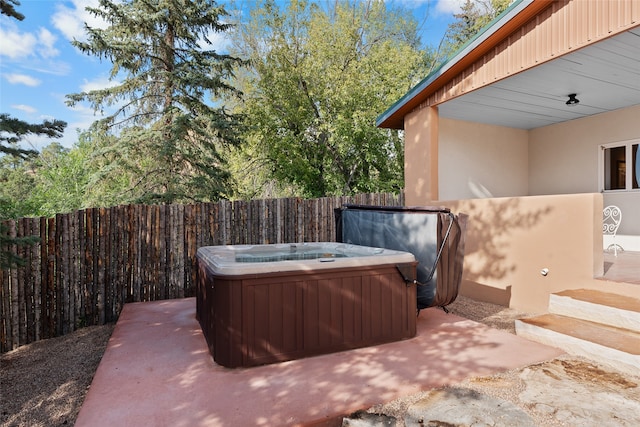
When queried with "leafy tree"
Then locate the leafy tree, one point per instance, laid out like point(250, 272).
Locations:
point(168, 138)
point(6, 8)
point(17, 180)
point(317, 81)
point(60, 180)
point(106, 181)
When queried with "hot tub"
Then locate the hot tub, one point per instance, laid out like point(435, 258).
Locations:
point(271, 303)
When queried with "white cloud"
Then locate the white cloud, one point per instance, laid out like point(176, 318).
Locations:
point(97, 84)
point(46, 46)
point(15, 44)
point(70, 20)
point(452, 7)
point(449, 7)
point(219, 42)
point(18, 45)
point(26, 108)
point(22, 79)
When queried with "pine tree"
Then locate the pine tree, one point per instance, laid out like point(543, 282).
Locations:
point(13, 130)
point(6, 8)
point(168, 136)
point(474, 15)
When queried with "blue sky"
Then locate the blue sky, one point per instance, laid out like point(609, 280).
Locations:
point(39, 66)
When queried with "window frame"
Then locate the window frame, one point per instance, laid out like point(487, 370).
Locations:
point(628, 185)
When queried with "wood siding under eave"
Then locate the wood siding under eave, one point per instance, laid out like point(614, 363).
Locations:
point(563, 27)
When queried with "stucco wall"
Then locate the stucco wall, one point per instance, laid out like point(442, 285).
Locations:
point(510, 240)
point(563, 158)
point(421, 156)
point(479, 161)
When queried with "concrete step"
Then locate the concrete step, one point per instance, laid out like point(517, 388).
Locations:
point(616, 347)
point(597, 306)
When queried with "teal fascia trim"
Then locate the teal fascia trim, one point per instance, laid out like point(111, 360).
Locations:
point(515, 8)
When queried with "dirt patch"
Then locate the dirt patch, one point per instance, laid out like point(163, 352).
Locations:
point(585, 371)
point(44, 383)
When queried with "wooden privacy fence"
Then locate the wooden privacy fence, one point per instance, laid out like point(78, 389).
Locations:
point(89, 263)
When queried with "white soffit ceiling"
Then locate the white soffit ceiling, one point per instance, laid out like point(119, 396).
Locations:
point(605, 76)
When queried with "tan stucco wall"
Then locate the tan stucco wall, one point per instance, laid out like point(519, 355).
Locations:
point(421, 156)
point(563, 158)
point(478, 160)
point(510, 240)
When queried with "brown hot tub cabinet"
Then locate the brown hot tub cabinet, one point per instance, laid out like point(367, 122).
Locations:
point(312, 307)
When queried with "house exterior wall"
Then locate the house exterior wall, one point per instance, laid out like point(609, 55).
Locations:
point(421, 157)
point(479, 161)
point(564, 159)
point(510, 240)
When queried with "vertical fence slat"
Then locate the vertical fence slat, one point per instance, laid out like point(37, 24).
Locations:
point(162, 255)
point(109, 272)
point(30, 230)
point(5, 310)
point(180, 253)
point(135, 243)
point(73, 270)
point(43, 277)
point(111, 276)
point(22, 287)
point(51, 275)
point(62, 256)
point(123, 256)
point(82, 270)
point(147, 287)
point(13, 279)
point(88, 265)
point(100, 285)
point(35, 277)
point(128, 223)
point(190, 249)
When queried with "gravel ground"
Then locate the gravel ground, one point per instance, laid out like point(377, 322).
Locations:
point(44, 383)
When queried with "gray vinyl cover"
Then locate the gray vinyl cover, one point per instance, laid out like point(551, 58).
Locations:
point(408, 231)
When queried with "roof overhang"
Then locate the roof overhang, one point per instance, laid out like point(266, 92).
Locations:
point(513, 18)
point(605, 76)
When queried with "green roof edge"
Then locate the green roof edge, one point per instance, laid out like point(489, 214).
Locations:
point(459, 54)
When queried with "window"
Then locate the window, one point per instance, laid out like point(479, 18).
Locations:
point(620, 167)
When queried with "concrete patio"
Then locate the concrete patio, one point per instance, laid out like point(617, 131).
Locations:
point(157, 371)
point(625, 267)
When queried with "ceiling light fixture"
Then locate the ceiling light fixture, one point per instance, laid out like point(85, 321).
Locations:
point(572, 100)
